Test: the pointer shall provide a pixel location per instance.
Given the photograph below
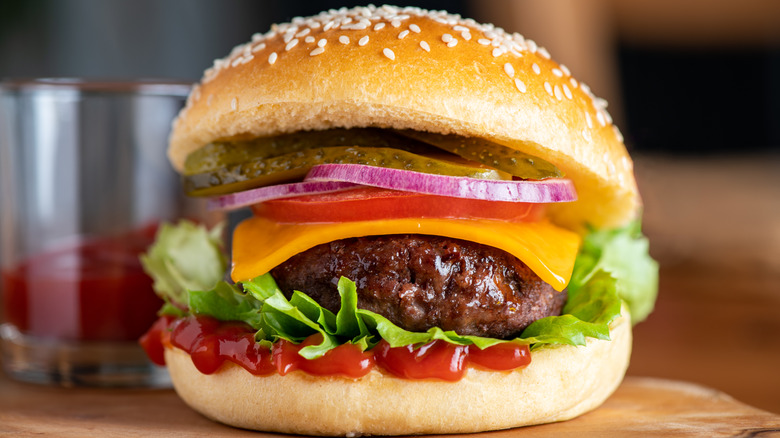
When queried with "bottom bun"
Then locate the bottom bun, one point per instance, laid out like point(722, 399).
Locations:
point(561, 382)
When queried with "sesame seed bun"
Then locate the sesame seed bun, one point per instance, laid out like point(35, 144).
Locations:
point(560, 383)
point(414, 69)
point(429, 71)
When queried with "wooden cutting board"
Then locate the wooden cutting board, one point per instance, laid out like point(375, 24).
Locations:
point(640, 407)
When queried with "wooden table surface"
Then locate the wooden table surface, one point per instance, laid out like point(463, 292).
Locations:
point(641, 407)
point(714, 226)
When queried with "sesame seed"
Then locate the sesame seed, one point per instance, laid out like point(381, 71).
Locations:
point(309, 39)
point(446, 37)
point(272, 58)
point(619, 136)
point(303, 33)
point(567, 92)
point(586, 89)
point(322, 42)
point(557, 92)
point(363, 41)
point(484, 41)
point(379, 26)
point(288, 37)
point(574, 82)
point(291, 44)
point(395, 23)
point(586, 134)
point(543, 53)
point(389, 54)
point(425, 46)
point(557, 72)
point(258, 47)
point(235, 62)
point(520, 85)
point(532, 47)
point(565, 70)
point(465, 35)
point(548, 88)
point(414, 28)
point(498, 51)
point(460, 28)
point(452, 43)
point(328, 25)
point(403, 34)
point(510, 71)
point(317, 51)
point(344, 39)
point(588, 120)
point(234, 104)
point(536, 69)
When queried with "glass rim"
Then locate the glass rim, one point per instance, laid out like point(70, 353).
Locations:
point(151, 86)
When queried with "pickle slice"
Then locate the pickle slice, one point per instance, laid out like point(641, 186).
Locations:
point(294, 166)
point(222, 154)
point(490, 154)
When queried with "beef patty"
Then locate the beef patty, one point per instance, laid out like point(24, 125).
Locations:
point(419, 282)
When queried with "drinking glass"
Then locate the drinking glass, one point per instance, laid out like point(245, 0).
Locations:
point(84, 183)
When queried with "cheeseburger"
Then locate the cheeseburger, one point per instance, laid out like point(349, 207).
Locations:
point(444, 234)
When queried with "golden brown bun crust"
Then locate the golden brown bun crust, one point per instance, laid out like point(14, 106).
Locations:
point(560, 383)
point(488, 84)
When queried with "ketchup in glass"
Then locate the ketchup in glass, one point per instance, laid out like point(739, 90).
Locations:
point(90, 291)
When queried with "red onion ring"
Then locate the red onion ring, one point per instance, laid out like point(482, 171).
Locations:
point(246, 198)
point(549, 190)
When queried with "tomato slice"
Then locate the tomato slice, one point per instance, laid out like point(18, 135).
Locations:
point(370, 203)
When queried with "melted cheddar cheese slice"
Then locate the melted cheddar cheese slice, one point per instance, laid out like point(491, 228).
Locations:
point(260, 244)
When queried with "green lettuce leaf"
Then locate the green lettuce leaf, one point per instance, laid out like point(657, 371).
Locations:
point(612, 266)
point(226, 302)
point(588, 313)
point(624, 254)
point(183, 258)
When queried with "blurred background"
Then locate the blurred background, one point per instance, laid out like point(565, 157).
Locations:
point(694, 86)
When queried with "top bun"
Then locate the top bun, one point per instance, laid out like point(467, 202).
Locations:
point(408, 68)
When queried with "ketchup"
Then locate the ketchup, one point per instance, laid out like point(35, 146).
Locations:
point(211, 342)
point(437, 359)
point(345, 360)
point(92, 291)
